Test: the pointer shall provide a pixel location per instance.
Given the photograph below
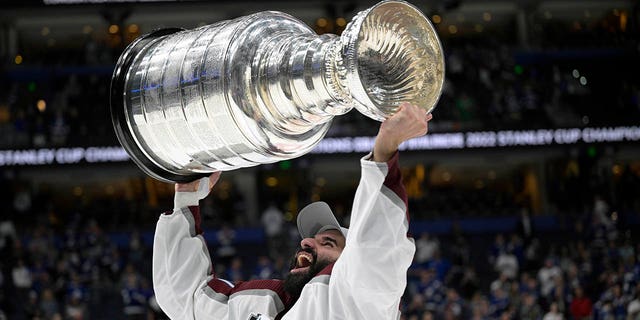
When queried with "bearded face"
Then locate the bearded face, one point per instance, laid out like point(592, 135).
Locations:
point(314, 255)
point(304, 266)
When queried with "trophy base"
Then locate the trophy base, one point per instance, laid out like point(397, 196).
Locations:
point(119, 117)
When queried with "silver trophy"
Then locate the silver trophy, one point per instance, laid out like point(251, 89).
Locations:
point(264, 87)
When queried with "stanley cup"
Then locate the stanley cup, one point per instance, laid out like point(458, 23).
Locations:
point(264, 87)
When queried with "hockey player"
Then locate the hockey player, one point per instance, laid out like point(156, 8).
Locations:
point(359, 273)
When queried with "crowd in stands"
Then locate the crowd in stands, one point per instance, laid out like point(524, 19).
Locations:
point(591, 273)
point(587, 270)
point(490, 84)
point(56, 110)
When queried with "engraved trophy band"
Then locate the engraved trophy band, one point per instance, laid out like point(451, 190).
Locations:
point(264, 87)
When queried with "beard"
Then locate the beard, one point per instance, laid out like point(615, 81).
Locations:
point(294, 282)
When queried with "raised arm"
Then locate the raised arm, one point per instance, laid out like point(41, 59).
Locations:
point(182, 269)
point(407, 123)
point(370, 275)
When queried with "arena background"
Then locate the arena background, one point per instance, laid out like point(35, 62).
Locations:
point(524, 196)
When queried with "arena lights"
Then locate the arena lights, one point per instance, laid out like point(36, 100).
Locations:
point(41, 105)
point(114, 29)
point(432, 141)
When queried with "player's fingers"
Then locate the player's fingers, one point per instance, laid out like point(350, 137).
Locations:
point(214, 177)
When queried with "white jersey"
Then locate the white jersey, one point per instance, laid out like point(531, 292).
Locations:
point(366, 282)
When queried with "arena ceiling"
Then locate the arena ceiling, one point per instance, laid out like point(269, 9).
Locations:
point(41, 20)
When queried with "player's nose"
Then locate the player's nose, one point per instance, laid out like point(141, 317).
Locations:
point(308, 243)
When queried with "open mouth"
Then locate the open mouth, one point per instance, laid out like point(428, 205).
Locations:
point(303, 261)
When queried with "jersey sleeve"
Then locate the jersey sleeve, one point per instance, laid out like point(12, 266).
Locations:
point(183, 278)
point(182, 269)
point(369, 278)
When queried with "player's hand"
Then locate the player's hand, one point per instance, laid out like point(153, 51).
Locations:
point(408, 122)
point(202, 186)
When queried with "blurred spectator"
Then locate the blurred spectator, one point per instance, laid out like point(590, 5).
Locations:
point(529, 284)
point(573, 277)
point(507, 264)
point(459, 249)
point(547, 275)
point(31, 309)
point(7, 233)
point(426, 247)
point(136, 250)
point(49, 304)
point(59, 129)
point(22, 280)
point(264, 268)
point(560, 294)
point(427, 315)
point(503, 282)
point(468, 284)
point(532, 255)
point(273, 224)
point(498, 302)
point(612, 303)
point(499, 245)
point(454, 306)
point(279, 268)
point(601, 211)
point(480, 308)
point(235, 271)
point(581, 306)
point(554, 313)
point(75, 308)
point(226, 248)
point(22, 199)
point(524, 227)
point(516, 296)
point(415, 308)
point(633, 309)
point(134, 298)
point(529, 309)
point(430, 288)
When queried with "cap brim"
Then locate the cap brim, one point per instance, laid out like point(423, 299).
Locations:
point(317, 217)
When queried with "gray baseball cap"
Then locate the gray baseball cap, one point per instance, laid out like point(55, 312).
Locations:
point(317, 217)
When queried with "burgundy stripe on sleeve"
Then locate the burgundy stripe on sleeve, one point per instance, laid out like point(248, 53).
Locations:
point(220, 286)
point(393, 180)
point(268, 284)
point(223, 287)
point(197, 220)
point(195, 211)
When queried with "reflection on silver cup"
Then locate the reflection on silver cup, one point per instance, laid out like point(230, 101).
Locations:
point(264, 88)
